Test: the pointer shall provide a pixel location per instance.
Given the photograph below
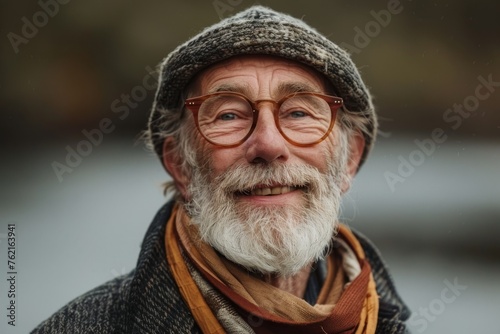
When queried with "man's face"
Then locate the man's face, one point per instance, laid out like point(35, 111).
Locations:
point(266, 204)
point(259, 77)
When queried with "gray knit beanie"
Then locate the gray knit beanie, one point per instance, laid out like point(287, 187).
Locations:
point(260, 30)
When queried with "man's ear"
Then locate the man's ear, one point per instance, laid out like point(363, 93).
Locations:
point(173, 164)
point(356, 149)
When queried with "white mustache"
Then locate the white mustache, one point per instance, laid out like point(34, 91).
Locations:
point(248, 178)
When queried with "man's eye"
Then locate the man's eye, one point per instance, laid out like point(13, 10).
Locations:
point(227, 117)
point(298, 114)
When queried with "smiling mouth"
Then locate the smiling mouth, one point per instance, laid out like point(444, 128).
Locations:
point(268, 191)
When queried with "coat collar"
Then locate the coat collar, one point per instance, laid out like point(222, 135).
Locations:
point(155, 304)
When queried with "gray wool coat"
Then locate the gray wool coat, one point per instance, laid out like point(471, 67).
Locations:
point(147, 299)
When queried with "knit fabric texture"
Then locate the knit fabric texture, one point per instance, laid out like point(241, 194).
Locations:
point(261, 31)
point(147, 300)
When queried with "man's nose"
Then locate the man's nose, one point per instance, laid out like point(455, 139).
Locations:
point(266, 143)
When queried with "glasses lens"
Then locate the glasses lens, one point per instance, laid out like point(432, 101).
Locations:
point(225, 119)
point(305, 118)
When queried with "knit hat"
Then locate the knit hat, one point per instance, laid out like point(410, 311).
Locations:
point(261, 31)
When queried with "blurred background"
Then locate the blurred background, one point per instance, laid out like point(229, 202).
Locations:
point(76, 89)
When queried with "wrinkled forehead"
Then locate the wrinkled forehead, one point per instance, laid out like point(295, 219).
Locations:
point(246, 73)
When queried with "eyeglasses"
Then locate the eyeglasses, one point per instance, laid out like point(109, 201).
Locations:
point(227, 119)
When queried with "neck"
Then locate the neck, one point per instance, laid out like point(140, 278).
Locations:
point(296, 284)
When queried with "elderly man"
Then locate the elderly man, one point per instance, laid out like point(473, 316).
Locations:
point(262, 123)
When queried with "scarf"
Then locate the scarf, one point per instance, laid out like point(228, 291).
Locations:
point(341, 307)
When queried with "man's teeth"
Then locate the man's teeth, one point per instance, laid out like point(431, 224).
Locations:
point(271, 191)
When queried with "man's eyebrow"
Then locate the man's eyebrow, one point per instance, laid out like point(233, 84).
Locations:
point(284, 88)
point(287, 88)
point(230, 87)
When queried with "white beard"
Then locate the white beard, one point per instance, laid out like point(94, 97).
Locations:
point(278, 239)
